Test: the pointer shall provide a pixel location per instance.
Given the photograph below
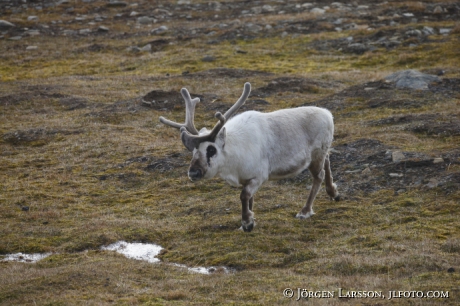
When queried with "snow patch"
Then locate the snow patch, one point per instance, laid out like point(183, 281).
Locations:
point(20, 257)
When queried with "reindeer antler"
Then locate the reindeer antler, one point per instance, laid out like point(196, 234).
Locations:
point(189, 114)
point(192, 141)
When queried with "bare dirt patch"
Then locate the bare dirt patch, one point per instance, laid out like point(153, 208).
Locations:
point(36, 136)
point(429, 124)
point(293, 84)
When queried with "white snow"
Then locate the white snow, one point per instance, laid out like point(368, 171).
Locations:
point(20, 257)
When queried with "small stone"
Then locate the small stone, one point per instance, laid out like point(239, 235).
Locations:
point(15, 38)
point(428, 30)
point(30, 48)
point(318, 11)
point(438, 9)
point(438, 160)
point(69, 32)
point(84, 31)
point(147, 48)
point(32, 32)
point(366, 171)
point(133, 49)
point(63, 2)
point(103, 29)
point(363, 7)
point(145, 20)
point(32, 18)
point(395, 175)
point(397, 156)
point(133, 13)
point(5, 25)
point(159, 30)
point(268, 8)
point(208, 58)
point(444, 31)
point(432, 183)
point(408, 15)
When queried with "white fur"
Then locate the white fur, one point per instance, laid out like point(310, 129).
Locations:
point(270, 146)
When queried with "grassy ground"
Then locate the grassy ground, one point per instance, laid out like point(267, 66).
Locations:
point(94, 166)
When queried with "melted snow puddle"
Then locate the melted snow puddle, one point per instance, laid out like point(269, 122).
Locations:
point(20, 257)
point(138, 251)
point(150, 251)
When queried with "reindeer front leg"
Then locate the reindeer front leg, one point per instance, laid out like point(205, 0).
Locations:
point(247, 200)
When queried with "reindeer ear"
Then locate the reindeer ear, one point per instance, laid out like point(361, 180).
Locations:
point(220, 139)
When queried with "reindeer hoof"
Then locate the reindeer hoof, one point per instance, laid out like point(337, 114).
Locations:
point(248, 226)
point(337, 198)
point(302, 216)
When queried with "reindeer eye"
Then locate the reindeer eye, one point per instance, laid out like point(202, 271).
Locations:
point(210, 151)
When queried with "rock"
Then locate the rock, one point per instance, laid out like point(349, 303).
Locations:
point(32, 32)
point(438, 160)
point(15, 38)
point(117, 4)
point(362, 7)
point(408, 15)
point(147, 48)
point(268, 8)
point(366, 171)
point(428, 30)
point(432, 183)
point(253, 27)
point(63, 2)
point(208, 58)
point(412, 79)
point(438, 10)
point(395, 175)
point(32, 18)
point(133, 49)
point(133, 14)
point(5, 25)
point(414, 33)
point(84, 31)
point(30, 48)
point(159, 30)
point(444, 31)
point(183, 2)
point(103, 29)
point(397, 156)
point(69, 32)
point(317, 10)
point(145, 20)
point(357, 48)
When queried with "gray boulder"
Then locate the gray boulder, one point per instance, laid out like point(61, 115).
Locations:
point(412, 79)
point(5, 25)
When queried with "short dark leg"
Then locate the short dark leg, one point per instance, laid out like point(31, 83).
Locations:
point(317, 171)
point(247, 201)
point(331, 188)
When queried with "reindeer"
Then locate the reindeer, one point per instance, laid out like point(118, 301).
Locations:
point(253, 147)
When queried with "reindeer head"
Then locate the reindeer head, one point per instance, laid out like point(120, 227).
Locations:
point(207, 146)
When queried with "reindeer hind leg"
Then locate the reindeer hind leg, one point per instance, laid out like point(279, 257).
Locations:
point(331, 187)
